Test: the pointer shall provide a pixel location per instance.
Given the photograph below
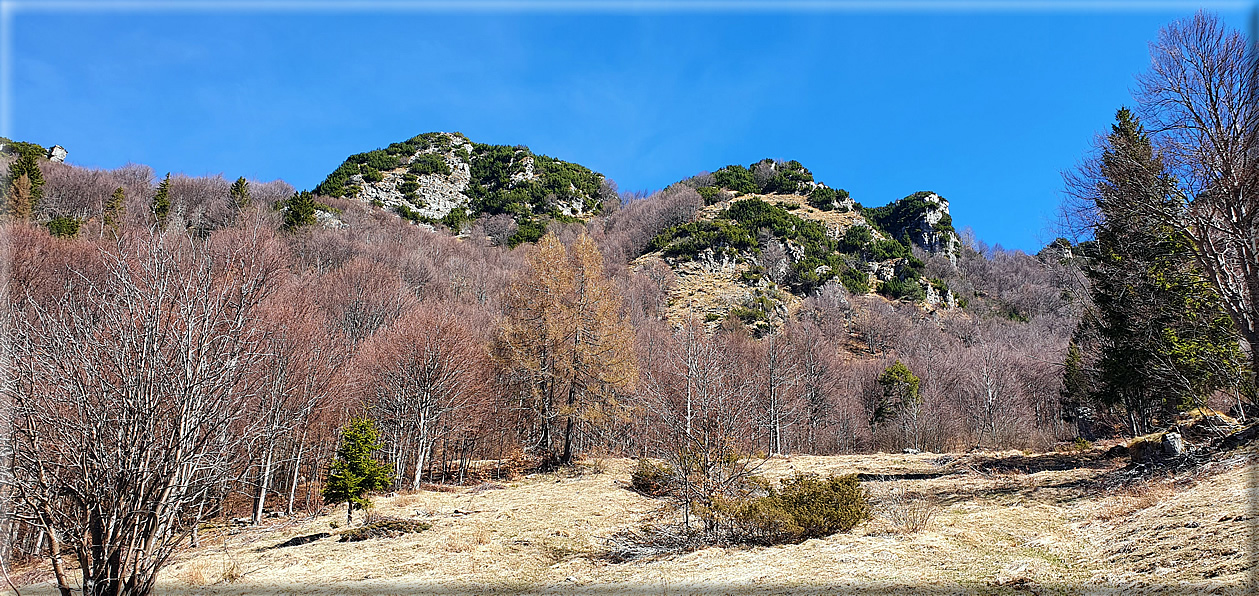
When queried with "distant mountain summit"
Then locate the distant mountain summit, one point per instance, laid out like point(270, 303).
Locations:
point(446, 178)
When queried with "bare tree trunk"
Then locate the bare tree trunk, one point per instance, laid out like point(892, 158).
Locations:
point(297, 468)
point(264, 478)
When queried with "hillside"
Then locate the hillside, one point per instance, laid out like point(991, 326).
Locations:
point(448, 179)
point(769, 235)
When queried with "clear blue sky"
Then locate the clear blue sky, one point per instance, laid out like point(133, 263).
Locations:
point(986, 107)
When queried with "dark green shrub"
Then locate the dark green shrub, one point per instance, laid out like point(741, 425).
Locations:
point(710, 194)
point(378, 159)
point(64, 226)
point(827, 199)
point(413, 216)
point(33, 151)
point(337, 183)
point(651, 478)
point(456, 219)
point(823, 506)
point(856, 237)
point(686, 241)
point(802, 507)
point(823, 198)
point(429, 163)
point(736, 178)
point(856, 282)
point(371, 174)
point(884, 249)
point(528, 231)
point(790, 177)
point(749, 316)
point(299, 210)
point(898, 289)
point(408, 187)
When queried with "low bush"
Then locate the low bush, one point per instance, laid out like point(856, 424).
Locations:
point(855, 281)
point(908, 513)
point(711, 194)
point(651, 478)
point(64, 226)
point(429, 163)
point(898, 289)
point(802, 507)
point(389, 527)
point(855, 239)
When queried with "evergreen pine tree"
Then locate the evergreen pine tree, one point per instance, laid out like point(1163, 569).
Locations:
point(1164, 341)
point(354, 473)
point(27, 164)
point(161, 201)
point(901, 397)
point(113, 210)
point(299, 210)
point(239, 194)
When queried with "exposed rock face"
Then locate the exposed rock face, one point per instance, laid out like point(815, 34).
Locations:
point(933, 297)
point(439, 194)
point(57, 153)
point(433, 174)
point(929, 234)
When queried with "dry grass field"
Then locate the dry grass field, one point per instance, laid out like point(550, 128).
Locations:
point(975, 523)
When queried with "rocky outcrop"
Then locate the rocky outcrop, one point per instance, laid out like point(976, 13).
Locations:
point(437, 194)
point(431, 175)
point(934, 229)
point(923, 217)
point(57, 153)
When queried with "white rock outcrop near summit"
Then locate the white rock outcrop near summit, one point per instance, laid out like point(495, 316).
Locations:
point(438, 194)
point(927, 235)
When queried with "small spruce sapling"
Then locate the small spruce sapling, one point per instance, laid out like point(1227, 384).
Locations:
point(354, 473)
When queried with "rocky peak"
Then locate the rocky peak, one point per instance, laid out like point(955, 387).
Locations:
point(923, 217)
point(445, 178)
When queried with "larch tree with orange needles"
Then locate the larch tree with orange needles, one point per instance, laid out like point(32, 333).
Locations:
point(567, 341)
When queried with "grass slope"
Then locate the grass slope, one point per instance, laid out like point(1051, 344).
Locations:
point(1004, 523)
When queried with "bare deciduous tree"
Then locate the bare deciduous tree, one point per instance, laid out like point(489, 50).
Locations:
point(418, 375)
point(129, 394)
point(1201, 100)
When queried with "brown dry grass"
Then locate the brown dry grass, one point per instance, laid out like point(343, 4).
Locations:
point(1003, 522)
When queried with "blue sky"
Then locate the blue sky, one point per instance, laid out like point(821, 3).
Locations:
point(984, 106)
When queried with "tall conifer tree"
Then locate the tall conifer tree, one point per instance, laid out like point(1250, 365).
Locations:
point(1164, 341)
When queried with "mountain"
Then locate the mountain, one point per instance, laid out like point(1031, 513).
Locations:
point(446, 178)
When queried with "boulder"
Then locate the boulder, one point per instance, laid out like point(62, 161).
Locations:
point(57, 153)
point(1173, 444)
